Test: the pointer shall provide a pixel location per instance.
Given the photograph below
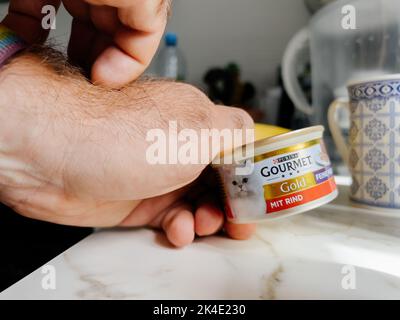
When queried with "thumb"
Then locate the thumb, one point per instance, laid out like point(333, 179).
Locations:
point(25, 19)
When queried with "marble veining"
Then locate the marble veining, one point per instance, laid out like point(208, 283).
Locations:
point(272, 282)
point(301, 257)
point(94, 288)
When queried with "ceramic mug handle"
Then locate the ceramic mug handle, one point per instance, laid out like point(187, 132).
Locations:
point(335, 129)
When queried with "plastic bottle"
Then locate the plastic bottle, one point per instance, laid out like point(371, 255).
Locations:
point(171, 62)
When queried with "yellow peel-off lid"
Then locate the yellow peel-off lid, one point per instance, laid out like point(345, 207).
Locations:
point(263, 131)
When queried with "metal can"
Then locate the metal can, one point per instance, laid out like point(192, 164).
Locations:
point(287, 174)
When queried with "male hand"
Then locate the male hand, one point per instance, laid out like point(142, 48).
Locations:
point(74, 153)
point(115, 39)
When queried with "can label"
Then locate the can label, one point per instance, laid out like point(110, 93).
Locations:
point(281, 180)
point(295, 175)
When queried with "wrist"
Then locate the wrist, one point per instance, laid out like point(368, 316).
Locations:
point(35, 126)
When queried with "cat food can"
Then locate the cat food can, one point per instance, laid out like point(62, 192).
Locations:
point(286, 175)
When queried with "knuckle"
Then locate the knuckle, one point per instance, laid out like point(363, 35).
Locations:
point(186, 104)
point(191, 92)
point(241, 119)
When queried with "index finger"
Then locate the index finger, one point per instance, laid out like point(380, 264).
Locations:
point(135, 43)
point(138, 14)
point(240, 231)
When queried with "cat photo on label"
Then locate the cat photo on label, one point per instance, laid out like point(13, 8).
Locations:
point(245, 192)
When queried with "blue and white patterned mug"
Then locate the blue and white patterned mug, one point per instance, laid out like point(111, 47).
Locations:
point(373, 150)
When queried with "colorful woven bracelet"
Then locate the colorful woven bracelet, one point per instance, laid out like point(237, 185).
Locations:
point(10, 44)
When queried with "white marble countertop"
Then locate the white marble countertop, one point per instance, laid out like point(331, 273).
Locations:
point(318, 255)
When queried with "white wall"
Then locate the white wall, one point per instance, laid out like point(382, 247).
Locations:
point(253, 33)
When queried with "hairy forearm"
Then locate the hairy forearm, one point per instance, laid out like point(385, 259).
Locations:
point(64, 140)
point(63, 122)
point(37, 108)
point(75, 153)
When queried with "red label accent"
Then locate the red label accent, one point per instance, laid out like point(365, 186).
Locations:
point(301, 197)
point(228, 211)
